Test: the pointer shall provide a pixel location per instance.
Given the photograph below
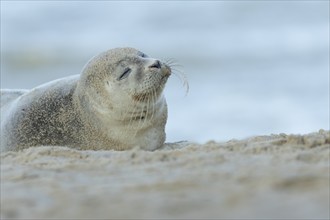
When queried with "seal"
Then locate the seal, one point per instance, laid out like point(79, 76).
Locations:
point(116, 102)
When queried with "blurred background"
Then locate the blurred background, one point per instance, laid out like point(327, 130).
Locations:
point(254, 67)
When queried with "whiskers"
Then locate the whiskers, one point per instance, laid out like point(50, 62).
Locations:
point(176, 70)
point(141, 112)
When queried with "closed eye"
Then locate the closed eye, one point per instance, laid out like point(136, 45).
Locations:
point(124, 74)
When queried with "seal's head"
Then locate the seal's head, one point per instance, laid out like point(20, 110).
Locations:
point(120, 94)
point(128, 73)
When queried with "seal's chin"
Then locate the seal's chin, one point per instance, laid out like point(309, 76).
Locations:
point(150, 95)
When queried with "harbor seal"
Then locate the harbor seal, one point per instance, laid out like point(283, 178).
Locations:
point(116, 102)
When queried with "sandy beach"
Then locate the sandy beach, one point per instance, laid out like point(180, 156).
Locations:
point(276, 176)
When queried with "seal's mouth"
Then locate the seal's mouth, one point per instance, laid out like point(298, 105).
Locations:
point(151, 94)
point(166, 72)
point(164, 77)
point(153, 87)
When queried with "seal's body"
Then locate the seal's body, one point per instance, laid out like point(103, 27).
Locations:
point(115, 103)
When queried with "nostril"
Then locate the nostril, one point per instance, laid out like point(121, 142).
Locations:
point(156, 65)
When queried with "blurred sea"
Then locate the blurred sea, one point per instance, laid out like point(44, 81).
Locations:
point(254, 67)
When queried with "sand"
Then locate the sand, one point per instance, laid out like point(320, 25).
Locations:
point(275, 176)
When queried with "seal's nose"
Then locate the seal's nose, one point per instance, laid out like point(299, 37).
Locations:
point(156, 65)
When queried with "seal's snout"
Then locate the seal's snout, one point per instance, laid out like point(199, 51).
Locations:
point(156, 65)
point(167, 70)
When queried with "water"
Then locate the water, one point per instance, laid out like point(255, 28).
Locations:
point(254, 67)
